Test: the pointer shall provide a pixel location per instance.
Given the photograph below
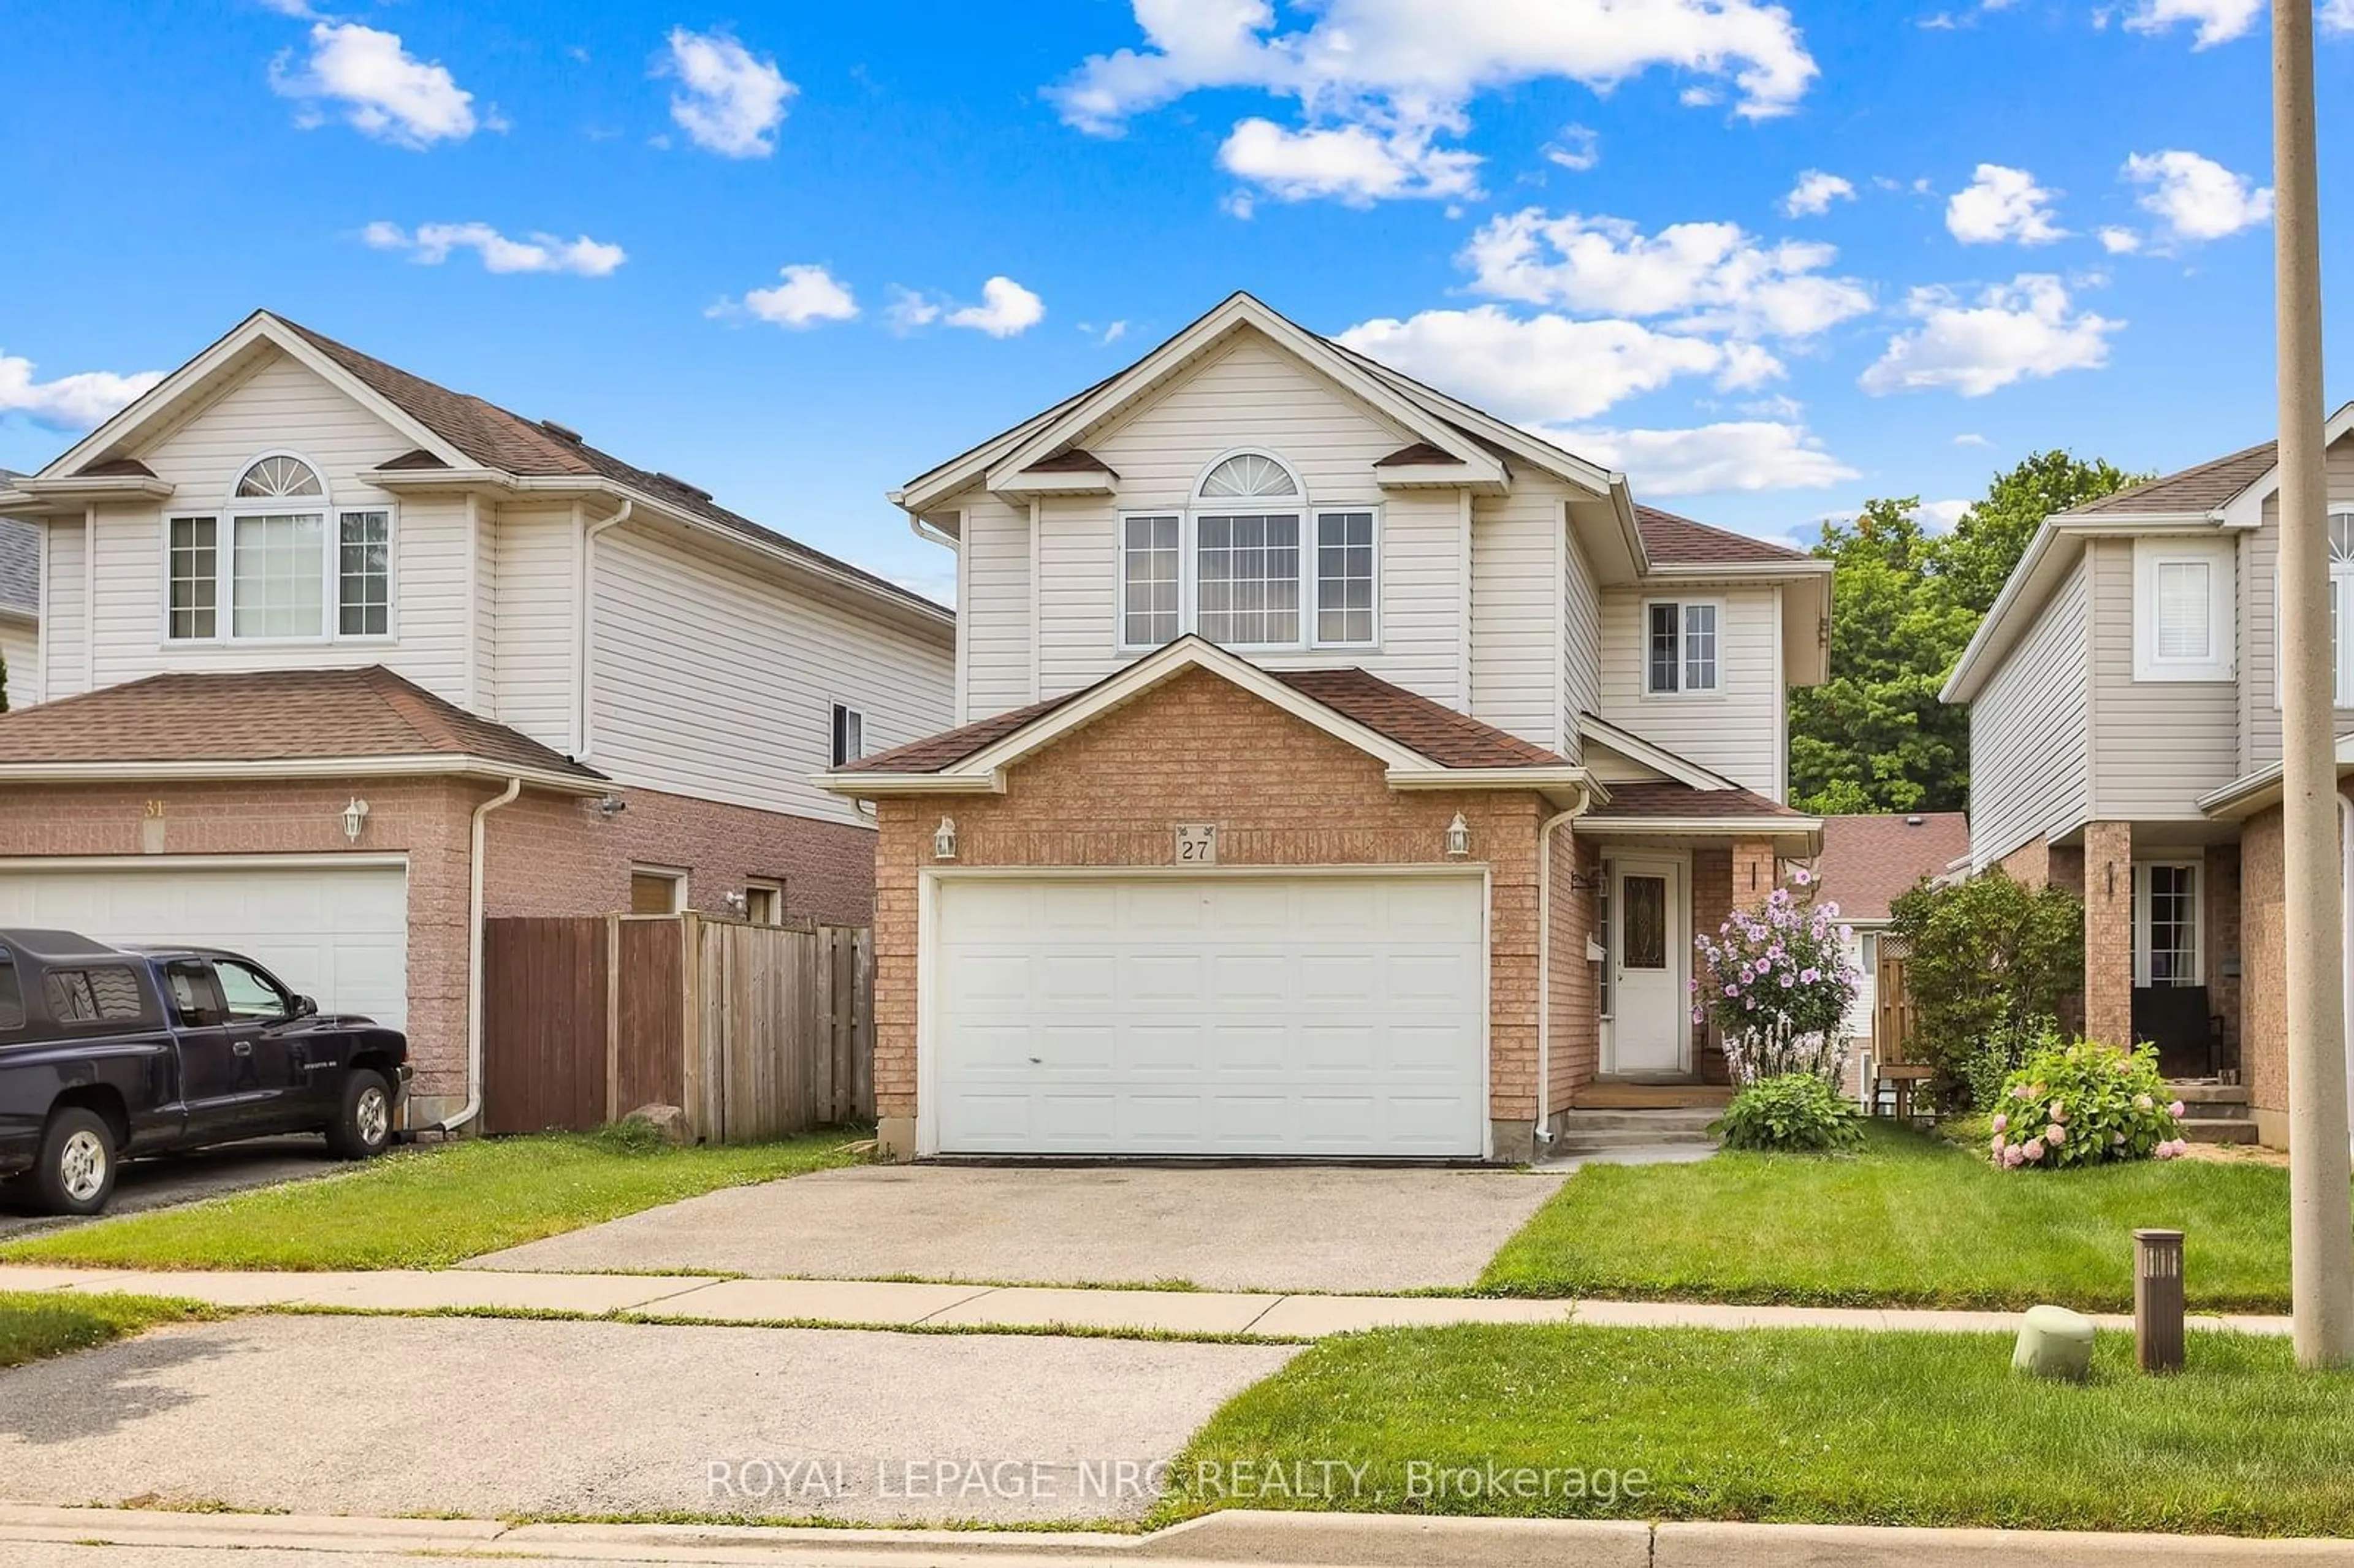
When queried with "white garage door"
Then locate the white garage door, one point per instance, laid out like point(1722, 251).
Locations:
point(1216, 1015)
point(337, 933)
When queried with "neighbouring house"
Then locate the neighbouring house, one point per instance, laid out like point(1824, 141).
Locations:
point(2126, 742)
point(20, 604)
point(1868, 861)
point(1340, 771)
point(333, 663)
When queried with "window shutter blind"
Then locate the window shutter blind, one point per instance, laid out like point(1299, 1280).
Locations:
point(2182, 610)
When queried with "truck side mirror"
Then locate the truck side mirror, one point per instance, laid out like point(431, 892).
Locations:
point(305, 1007)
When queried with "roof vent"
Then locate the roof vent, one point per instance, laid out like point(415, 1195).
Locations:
point(675, 482)
point(1912, 821)
point(565, 432)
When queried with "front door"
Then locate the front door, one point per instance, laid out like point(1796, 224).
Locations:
point(1649, 1008)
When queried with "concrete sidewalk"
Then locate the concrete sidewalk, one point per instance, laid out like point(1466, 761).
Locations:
point(877, 1304)
point(46, 1536)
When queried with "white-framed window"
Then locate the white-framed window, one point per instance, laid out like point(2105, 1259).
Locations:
point(2342, 584)
point(657, 889)
point(1681, 646)
point(849, 735)
point(277, 563)
point(764, 902)
point(1250, 564)
point(2182, 609)
point(2167, 923)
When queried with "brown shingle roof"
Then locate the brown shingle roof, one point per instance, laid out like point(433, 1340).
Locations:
point(1434, 730)
point(2199, 488)
point(494, 437)
point(265, 715)
point(1416, 455)
point(1867, 860)
point(1670, 800)
point(115, 468)
point(1071, 460)
point(1673, 541)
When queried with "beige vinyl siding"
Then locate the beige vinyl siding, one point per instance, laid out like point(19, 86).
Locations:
point(2157, 745)
point(1516, 612)
point(1581, 647)
point(20, 647)
point(65, 619)
point(2260, 716)
point(995, 571)
point(1737, 730)
point(281, 405)
point(535, 559)
point(486, 654)
point(709, 679)
point(2028, 770)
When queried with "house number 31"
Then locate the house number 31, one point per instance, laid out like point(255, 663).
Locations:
point(1197, 844)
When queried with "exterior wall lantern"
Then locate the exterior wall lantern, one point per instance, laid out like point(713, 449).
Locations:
point(944, 839)
point(1458, 837)
point(354, 818)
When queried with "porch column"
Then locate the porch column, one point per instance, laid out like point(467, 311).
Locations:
point(1757, 872)
point(2108, 933)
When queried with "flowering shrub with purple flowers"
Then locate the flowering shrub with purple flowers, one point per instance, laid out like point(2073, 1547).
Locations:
point(2085, 1104)
point(1777, 983)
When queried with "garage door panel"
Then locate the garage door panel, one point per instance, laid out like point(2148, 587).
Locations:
point(339, 934)
point(1218, 1015)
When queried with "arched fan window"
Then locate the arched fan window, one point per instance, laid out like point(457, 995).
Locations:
point(2341, 601)
point(278, 478)
point(1248, 476)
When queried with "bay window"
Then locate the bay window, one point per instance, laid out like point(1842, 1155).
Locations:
point(1250, 564)
point(284, 564)
point(1679, 646)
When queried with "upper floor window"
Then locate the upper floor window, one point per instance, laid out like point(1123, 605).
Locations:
point(277, 562)
point(849, 735)
point(2341, 583)
point(1679, 646)
point(2182, 609)
point(1250, 564)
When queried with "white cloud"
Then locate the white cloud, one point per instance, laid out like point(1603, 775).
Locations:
point(382, 90)
point(2118, 240)
point(1748, 455)
point(2014, 331)
point(2335, 15)
point(1105, 335)
point(1549, 369)
point(432, 243)
point(1971, 439)
point(1402, 72)
point(809, 296)
point(1579, 147)
point(909, 310)
point(1006, 310)
point(730, 100)
point(2197, 198)
point(1813, 195)
point(2000, 204)
point(70, 402)
point(2217, 21)
point(1939, 516)
point(1708, 277)
point(1357, 165)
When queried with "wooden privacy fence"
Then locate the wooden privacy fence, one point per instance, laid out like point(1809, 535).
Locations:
point(754, 1031)
point(1892, 1023)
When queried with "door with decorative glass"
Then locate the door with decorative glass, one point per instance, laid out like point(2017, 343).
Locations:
point(1647, 959)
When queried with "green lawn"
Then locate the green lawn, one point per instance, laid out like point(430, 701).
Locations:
point(1813, 1426)
point(38, 1323)
point(1910, 1221)
point(430, 1208)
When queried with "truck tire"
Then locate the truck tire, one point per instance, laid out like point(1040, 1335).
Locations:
point(75, 1173)
point(362, 1124)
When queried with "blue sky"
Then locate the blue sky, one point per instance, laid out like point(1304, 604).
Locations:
point(757, 246)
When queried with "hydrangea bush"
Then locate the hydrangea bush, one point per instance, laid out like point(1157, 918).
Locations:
point(1777, 983)
point(2085, 1104)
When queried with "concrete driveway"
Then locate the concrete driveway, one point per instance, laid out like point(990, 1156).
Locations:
point(170, 1180)
point(1290, 1228)
point(492, 1417)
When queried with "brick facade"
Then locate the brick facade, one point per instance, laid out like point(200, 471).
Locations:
point(2108, 932)
point(1575, 1045)
point(546, 854)
point(1283, 792)
point(2263, 1022)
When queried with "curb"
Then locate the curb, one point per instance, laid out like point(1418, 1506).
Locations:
point(1232, 1537)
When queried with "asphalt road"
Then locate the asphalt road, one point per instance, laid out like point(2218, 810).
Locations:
point(171, 1178)
point(499, 1417)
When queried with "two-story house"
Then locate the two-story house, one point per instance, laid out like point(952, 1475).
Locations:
point(1340, 771)
point(20, 605)
point(2126, 742)
point(333, 663)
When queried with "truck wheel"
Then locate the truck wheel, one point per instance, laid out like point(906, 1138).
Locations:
point(75, 1173)
point(363, 1125)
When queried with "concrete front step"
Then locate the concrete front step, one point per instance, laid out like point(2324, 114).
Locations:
point(1599, 1142)
point(1693, 1118)
point(2219, 1129)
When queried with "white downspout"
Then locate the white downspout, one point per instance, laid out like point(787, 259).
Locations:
point(1544, 960)
point(588, 649)
point(473, 1107)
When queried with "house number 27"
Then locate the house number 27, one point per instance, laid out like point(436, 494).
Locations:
point(1197, 844)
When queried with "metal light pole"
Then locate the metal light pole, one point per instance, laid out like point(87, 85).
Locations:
point(2321, 1220)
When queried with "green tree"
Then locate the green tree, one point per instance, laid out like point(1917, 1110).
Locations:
point(1874, 737)
point(1986, 961)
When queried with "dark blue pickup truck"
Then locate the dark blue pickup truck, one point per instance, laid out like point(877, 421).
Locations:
point(108, 1051)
